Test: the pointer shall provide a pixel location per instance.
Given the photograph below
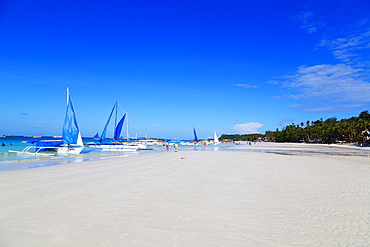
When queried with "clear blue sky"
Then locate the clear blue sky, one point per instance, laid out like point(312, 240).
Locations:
point(225, 66)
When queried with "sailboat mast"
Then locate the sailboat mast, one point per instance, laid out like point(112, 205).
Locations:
point(67, 95)
point(71, 133)
point(115, 117)
point(127, 137)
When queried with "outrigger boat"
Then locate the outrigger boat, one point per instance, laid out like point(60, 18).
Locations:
point(114, 144)
point(194, 142)
point(71, 142)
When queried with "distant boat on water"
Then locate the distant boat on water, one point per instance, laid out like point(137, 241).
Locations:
point(215, 138)
point(96, 136)
point(71, 142)
point(114, 144)
point(193, 142)
point(195, 135)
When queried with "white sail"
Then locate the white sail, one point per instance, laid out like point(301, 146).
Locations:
point(215, 138)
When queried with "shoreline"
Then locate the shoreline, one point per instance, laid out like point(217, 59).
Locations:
point(190, 198)
point(305, 148)
point(18, 162)
point(301, 149)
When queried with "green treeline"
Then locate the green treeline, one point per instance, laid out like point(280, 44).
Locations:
point(331, 130)
point(246, 137)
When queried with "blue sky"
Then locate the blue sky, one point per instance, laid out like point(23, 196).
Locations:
point(225, 66)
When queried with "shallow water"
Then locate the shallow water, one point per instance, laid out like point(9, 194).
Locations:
point(307, 149)
point(16, 161)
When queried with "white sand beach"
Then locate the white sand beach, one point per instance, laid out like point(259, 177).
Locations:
point(190, 198)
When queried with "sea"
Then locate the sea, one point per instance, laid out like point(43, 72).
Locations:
point(16, 161)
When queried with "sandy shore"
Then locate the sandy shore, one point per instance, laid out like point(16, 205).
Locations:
point(306, 148)
point(190, 198)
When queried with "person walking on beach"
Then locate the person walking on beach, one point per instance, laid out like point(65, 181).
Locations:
point(176, 146)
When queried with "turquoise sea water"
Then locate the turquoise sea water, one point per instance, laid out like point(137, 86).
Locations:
point(16, 161)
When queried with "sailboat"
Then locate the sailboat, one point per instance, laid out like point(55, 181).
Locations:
point(191, 143)
point(114, 145)
point(195, 135)
point(215, 138)
point(96, 136)
point(71, 142)
point(72, 139)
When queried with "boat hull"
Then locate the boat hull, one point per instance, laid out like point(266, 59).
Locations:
point(117, 147)
point(70, 149)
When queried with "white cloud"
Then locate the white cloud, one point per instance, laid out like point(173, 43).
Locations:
point(244, 85)
point(333, 87)
point(285, 120)
point(335, 107)
point(308, 21)
point(295, 105)
point(247, 128)
point(339, 83)
point(346, 48)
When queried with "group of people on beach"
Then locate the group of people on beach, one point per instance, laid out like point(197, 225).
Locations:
point(168, 147)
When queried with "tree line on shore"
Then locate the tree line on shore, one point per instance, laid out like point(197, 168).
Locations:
point(331, 130)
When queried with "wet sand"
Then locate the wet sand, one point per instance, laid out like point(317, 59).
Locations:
point(190, 198)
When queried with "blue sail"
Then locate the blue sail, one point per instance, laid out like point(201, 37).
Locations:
point(70, 128)
point(96, 136)
point(195, 135)
point(104, 133)
point(118, 129)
